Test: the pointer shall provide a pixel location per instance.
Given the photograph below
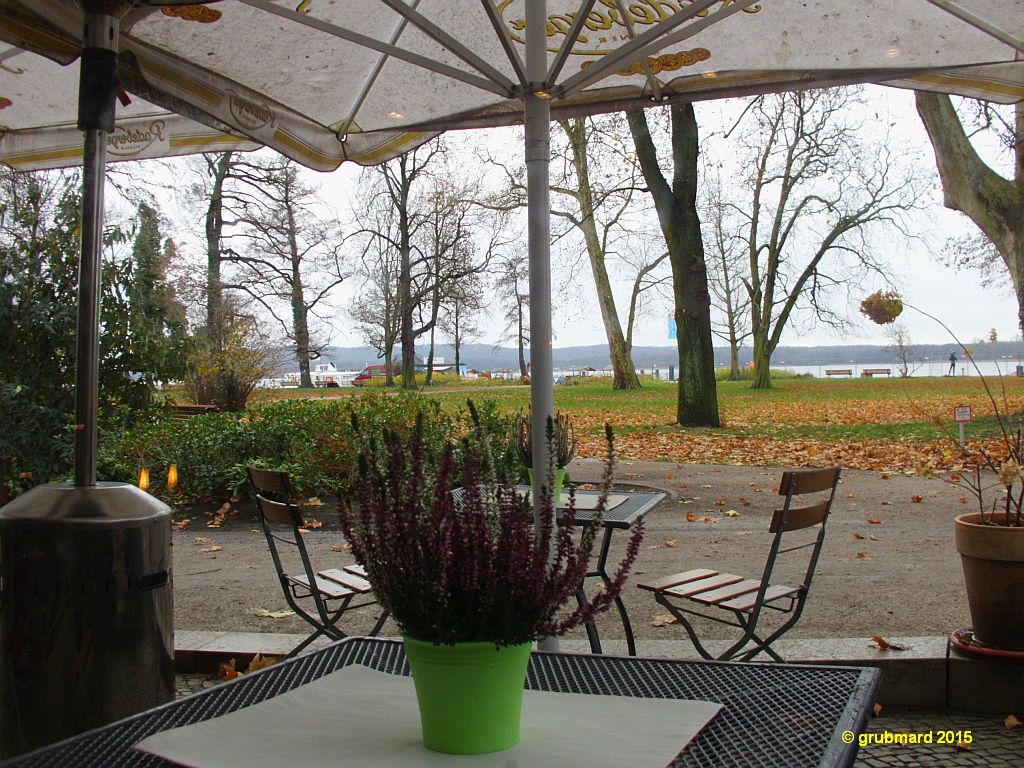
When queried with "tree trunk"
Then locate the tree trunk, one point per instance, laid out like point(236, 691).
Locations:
point(407, 339)
point(389, 366)
point(993, 203)
point(214, 231)
point(734, 359)
point(623, 371)
point(457, 339)
point(300, 318)
point(429, 379)
point(301, 325)
point(697, 403)
point(762, 364)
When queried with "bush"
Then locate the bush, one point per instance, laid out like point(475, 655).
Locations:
point(312, 440)
point(35, 441)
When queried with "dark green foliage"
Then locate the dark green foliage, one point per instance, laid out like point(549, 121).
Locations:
point(311, 440)
point(495, 428)
point(38, 286)
point(39, 257)
point(29, 450)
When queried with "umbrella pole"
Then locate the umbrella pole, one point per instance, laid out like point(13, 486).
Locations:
point(537, 121)
point(96, 96)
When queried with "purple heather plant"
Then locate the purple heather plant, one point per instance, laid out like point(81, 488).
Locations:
point(475, 568)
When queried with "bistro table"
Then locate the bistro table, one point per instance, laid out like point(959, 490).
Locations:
point(618, 518)
point(778, 715)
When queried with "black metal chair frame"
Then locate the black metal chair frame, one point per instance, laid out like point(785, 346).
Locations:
point(789, 518)
point(275, 500)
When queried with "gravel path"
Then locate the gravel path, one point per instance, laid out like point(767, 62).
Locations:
point(898, 576)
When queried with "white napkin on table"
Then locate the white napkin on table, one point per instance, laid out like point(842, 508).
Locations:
point(361, 717)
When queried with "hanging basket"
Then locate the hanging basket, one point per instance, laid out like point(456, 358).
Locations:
point(470, 694)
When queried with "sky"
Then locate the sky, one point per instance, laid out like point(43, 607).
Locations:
point(957, 298)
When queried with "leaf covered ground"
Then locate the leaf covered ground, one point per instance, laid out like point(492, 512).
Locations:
point(875, 424)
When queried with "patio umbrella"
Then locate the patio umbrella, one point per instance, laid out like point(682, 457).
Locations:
point(325, 82)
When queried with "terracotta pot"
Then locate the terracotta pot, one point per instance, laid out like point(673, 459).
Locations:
point(993, 561)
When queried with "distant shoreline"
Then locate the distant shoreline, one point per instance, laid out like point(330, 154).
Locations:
point(487, 357)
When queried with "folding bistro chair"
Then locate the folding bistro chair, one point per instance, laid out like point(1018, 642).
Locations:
point(739, 602)
point(332, 592)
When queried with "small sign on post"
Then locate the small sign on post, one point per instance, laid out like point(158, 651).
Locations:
point(961, 415)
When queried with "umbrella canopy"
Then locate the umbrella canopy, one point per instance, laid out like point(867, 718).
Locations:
point(324, 82)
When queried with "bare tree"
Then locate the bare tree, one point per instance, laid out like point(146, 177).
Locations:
point(431, 235)
point(994, 202)
point(726, 270)
point(595, 195)
point(459, 314)
point(815, 194)
point(904, 354)
point(597, 212)
point(676, 205)
point(375, 309)
point(213, 173)
point(288, 253)
point(512, 284)
point(456, 241)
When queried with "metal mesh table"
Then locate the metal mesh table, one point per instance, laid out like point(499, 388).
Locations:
point(775, 714)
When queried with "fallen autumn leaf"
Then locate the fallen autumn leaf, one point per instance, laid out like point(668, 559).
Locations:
point(885, 645)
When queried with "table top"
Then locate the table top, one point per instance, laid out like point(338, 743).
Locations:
point(636, 505)
point(774, 714)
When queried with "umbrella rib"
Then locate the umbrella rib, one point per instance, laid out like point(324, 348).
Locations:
point(376, 45)
point(506, 41)
point(431, 30)
point(648, 42)
point(980, 24)
point(631, 30)
point(365, 90)
point(570, 40)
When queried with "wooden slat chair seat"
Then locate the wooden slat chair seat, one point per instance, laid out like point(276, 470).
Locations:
point(332, 591)
point(739, 601)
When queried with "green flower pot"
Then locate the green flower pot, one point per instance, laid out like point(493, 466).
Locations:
point(470, 694)
point(559, 480)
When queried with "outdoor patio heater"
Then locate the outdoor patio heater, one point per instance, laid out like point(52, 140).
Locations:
point(86, 610)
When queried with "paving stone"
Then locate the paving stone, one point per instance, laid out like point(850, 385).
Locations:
point(189, 683)
point(992, 745)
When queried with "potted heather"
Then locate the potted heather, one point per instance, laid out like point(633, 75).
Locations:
point(990, 539)
point(471, 582)
point(561, 439)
